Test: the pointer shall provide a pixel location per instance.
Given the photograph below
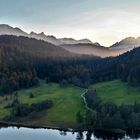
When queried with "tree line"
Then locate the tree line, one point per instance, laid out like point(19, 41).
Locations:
point(19, 109)
point(109, 115)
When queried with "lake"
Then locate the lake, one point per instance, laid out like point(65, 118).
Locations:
point(14, 133)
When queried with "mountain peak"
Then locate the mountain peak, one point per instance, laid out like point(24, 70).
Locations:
point(127, 44)
point(42, 33)
point(8, 30)
point(5, 25)
point(97, 44)
point(74, 41)
point(128, 41)
point(32, 33)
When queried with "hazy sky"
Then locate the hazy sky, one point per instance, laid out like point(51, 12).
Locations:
point(103, 21)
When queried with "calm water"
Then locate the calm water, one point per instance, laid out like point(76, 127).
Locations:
point(14, 133)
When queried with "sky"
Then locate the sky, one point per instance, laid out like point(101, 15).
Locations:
point(103, 21)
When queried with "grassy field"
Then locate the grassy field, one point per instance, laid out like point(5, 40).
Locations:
point(67, 101)
point(117, 92)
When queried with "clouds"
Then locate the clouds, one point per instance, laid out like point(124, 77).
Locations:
point(104, 25)
point(105, 21)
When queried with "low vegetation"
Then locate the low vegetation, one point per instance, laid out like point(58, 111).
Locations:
point(22, 110)
point(67, 102)
point(117, 92)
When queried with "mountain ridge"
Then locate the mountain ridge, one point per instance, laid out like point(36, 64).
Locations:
point(9, 30)
point(82, 46)
point(127, 43)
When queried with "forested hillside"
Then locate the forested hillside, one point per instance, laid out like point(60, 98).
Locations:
point(19, 59)
point(24, 61)
point(33, 47)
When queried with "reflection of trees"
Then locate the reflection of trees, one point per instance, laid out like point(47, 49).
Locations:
point(133, 134)
point(88, 135)
point(102, 135)
point(108, 135)
point(79, 136)
point(63, 133)
point(73, 132)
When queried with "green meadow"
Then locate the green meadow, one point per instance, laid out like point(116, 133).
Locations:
point(117, 92)
point(67, 102)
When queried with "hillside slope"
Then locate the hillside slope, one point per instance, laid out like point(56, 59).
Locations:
point(91, 49)
point(126, 44)
point(32, 46)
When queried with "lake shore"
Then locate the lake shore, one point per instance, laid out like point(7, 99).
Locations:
point(18, 125)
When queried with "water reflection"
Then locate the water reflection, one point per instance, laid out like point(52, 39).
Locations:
point(63, 133)
point(79, 136)
point(133, 134)
point(89, 135)
point(14, 133)
point(108, 135)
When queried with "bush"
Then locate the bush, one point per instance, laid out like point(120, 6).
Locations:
point(21, 110)
point(31, 95)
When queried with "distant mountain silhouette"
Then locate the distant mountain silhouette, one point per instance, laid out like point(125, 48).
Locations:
point(8, 30)
point(83, 46)
point(91, 49)
point(127, 43)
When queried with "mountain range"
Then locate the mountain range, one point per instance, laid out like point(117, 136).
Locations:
point(8, 30)
point(83, 46)
point(127, 43)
